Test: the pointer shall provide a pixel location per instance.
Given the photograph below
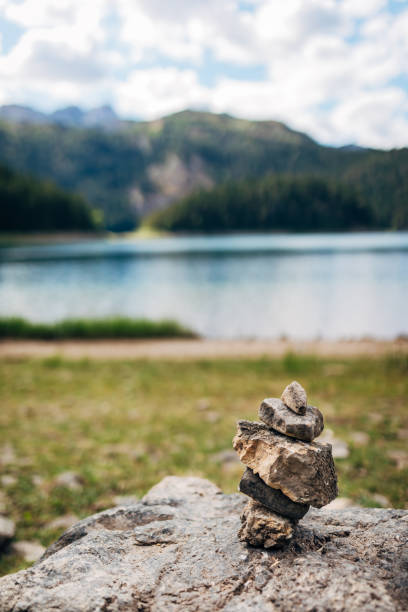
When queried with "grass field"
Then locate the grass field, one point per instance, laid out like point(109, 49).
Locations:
point(121, 426)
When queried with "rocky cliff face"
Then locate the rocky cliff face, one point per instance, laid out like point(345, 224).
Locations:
point(178, 549)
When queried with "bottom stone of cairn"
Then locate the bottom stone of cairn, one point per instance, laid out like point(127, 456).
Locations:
point(261, 527)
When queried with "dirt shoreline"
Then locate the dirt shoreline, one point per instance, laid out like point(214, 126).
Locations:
point(196, 349)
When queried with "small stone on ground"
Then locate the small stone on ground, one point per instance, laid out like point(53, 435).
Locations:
point(70, 480)
point(340, 449)
point(63, 522)
point(8, 480)
point(340, 503)
point(37, 480)
point(400, 458)
point(225, 456)
point(7, 454)
point(381, 500)
point(29, 551)
point(360, 438)
point(125, 500)
point(7, 530)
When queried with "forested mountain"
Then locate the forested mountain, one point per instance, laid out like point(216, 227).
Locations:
point(27, 204)
point(135, 168)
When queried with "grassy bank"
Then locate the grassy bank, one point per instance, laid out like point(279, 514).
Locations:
point(121, 426)
point(114, 327)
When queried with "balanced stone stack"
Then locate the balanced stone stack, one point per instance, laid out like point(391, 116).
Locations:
point(286, 471)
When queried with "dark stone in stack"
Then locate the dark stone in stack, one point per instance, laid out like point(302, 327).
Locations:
point(253, 486)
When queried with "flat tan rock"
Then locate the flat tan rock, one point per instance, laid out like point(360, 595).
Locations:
point(304, 471)
point(262, 527)
point(274, 413)
point(295, 398)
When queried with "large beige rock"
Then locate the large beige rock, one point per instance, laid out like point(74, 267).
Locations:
point(303, 471)
point(262, 527)
point(279, 417)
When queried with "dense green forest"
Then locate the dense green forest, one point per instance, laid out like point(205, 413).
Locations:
point(132, 170)
point(382, 182)
point(27, 204)
point(272, 203)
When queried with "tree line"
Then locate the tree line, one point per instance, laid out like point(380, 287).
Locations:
point(276, 202)
point(29, 204)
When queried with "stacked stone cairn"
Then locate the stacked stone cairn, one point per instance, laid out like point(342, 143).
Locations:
point(286, 471)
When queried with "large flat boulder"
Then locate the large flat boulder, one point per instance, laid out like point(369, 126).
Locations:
point(178, 550)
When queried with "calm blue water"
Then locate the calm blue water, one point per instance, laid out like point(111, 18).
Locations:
point(260, 286)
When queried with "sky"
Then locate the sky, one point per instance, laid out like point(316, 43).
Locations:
point(335, 69)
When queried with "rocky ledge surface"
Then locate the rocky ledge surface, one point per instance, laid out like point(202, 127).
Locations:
point(178, 549)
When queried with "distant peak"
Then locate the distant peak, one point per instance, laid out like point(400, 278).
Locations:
point(70, 116)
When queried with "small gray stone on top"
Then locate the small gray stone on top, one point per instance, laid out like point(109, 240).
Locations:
point(279, 417)
point(295, 398)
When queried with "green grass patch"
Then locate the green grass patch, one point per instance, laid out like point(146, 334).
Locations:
point(114, 327)
point(121, 426)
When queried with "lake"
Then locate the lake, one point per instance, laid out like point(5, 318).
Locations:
point(302, 286)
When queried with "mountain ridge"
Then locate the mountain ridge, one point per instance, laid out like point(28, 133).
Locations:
point(133, 168)
point(70, 116)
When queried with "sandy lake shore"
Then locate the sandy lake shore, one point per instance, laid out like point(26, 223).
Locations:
point(197, 349)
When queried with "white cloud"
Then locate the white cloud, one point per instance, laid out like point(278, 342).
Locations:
point(50, 14)
point(332, 66)
point(159, 91)
point(376, 118)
